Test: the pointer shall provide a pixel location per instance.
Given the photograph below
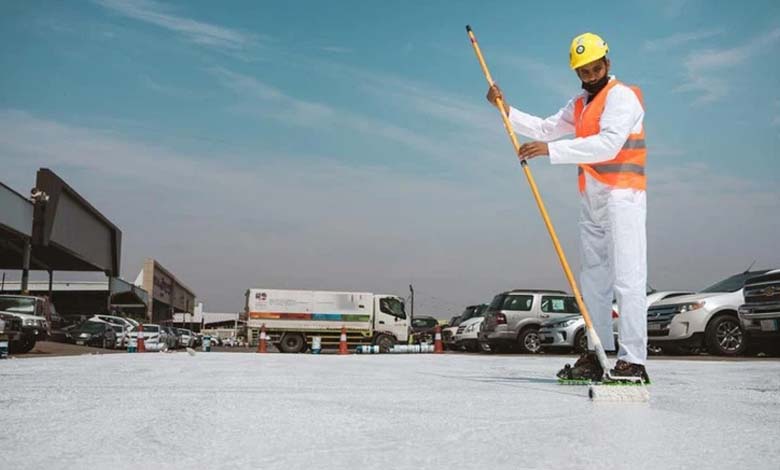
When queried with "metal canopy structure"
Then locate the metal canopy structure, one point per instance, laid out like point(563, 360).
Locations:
point(60, 230)
point(16, 216)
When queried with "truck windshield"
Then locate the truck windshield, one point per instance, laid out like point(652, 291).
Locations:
point(392, 306)
point(733, 283)
point(18, 305)
point(473, 311)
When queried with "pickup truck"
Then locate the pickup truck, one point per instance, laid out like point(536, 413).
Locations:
point(35, 313)
point(760, 314)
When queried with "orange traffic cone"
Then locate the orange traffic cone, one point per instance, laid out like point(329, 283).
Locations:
point(343, 341)
point(141, 347)
point(438, 348)
point(262, 345)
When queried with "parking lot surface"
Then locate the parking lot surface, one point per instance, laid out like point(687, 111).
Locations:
point(220, 410)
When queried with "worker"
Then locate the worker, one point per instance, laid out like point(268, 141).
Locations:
point(608, 147)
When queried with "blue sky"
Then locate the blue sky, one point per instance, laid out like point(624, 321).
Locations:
point(347, 145)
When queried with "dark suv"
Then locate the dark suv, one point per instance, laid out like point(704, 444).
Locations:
point(760, 314)
point(423, 329)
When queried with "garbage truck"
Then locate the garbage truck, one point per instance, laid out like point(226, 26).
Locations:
point(292, 318)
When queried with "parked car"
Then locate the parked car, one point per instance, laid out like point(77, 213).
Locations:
point(155, 338)
point(186, 338)
point(708, 318)
point(32, 312)
point(448, 332)
point(115, 320)
point(569, 332)
point(423, 328)
point(467, 335)
point(92, 333)
point(760, 314)
point(513, 319)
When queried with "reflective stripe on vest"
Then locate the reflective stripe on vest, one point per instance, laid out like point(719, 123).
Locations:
point(627, 169)
point(615, 168)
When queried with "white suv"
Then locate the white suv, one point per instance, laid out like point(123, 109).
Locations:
point(708, 318)
point(514, 317)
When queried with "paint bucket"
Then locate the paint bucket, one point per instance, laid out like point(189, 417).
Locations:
point(366, 349)
point(206, 344)
point(316, 344)
point(3, 349)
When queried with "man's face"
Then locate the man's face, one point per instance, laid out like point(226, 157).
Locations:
point(594, 71)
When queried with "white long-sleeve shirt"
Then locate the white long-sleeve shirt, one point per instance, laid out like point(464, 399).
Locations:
point(623, 115)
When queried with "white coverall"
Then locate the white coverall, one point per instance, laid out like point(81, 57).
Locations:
point(613, 245)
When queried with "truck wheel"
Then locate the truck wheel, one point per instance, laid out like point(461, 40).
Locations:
point(23, 346)
point(385, 343)
point(292, 343)
point(581, 341)
point(724, 336)
point(528, 340)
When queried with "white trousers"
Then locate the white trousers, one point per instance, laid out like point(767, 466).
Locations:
point(613, 250)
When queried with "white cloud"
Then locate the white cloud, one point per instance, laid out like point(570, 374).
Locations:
point(198, 32)
point(705, 69)
point(677, 40)
point(225, 221)
point(673, 8)
point(286, 220)
point(280, 106)
point(556, 79)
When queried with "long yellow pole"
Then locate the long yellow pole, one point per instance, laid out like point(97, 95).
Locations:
point(561, 256)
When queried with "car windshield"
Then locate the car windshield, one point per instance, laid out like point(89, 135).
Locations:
point(17, 305)
point(116, 328)
point(92, 327)
point(733, 283)
point(473, 311)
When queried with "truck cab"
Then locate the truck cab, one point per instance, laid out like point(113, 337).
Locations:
point(35, 313)
point(390, 320)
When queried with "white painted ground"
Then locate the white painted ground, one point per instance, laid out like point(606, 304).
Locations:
point(228, 410)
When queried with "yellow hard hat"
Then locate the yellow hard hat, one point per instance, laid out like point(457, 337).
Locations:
point(586, 48)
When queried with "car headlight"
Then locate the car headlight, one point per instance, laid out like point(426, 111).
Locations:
point(682, 308)
point(29, 322)
point(470, 328)
point(564, 324)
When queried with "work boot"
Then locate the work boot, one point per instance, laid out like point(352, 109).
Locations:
point(587, 367)
point(628, 370)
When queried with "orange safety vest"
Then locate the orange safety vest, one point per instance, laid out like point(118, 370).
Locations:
point(627, 169)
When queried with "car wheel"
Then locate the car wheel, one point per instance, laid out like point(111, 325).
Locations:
point(528, 340)
point(292, 343)
point(385, 343)
point(725, 337)
point(581, 341)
